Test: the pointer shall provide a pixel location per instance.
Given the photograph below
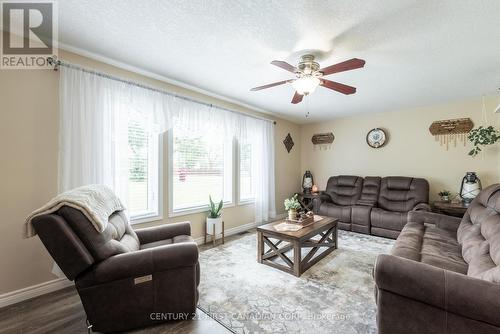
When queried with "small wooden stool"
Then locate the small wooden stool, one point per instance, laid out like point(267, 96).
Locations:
point(213, 233)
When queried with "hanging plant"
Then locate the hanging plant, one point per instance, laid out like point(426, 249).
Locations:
point(482, 136)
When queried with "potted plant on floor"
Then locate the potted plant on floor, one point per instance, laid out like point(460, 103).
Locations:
point(445, 195)
point(214, 217)
point(292, 205)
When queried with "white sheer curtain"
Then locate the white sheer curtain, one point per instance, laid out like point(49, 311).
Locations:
point(261, 135)
point(94, 112)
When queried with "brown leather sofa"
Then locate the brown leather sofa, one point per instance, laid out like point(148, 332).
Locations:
point(124, 277)
point(443, 274)
point(372, 205)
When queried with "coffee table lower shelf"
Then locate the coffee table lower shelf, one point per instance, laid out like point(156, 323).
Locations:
point(321, 234)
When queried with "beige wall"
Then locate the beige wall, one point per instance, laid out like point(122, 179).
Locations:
point(411, 150)
point(29, 149)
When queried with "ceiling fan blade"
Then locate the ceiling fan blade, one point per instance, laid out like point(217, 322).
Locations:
point(347, 65)
point(284, 65)
point(297, 98)
point(270, 85)
point(344, 89)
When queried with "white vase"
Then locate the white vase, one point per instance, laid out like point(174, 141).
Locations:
point(217, 222)
point(292, 214)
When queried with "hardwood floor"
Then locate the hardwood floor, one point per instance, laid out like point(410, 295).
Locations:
point(61, 312)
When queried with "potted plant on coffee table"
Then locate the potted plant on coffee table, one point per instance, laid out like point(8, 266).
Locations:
point(214, 218)
point(445, 195)
point(292, 205)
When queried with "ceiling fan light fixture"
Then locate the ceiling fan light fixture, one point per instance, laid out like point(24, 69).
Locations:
point(305, 85)
point(309, 75)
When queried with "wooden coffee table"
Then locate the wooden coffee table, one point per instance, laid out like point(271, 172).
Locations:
point(321, 234)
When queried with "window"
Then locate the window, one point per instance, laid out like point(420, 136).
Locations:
point(144, 170)
point(200, 165)
point(245, 163)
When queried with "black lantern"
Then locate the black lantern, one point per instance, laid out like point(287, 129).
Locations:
point(307, 182)
point(470, 187)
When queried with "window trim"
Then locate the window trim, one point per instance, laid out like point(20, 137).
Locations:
point(158, 215)
point(236, 182)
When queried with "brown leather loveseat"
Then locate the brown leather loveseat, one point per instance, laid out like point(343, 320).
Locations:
point(372, 205)
point(126, 279)
point(443, 274)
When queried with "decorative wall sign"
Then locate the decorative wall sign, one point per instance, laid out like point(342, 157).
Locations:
point(376, 138)
point(288, 142)
point(323, 138)
point(451, 130)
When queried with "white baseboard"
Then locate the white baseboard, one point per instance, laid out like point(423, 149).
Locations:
point(33, 291)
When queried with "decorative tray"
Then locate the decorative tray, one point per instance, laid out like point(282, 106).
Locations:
point(305, 219)
point(295, 225)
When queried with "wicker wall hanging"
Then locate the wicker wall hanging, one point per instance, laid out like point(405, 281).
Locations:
point(323, 138)
point(451, 130)
point(288, 142)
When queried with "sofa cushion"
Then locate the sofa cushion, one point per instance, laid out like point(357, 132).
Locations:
point(402, 194)
point(343, 213)
point(117, 238)
point(387, 219)
point(344, 189)
point(371, 189)
point(430, 245)
point(479, 235)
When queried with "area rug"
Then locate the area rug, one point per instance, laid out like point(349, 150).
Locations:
point(333, 296)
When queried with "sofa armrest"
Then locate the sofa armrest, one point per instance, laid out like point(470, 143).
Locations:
point(453, 292)
point(141, 263)
point(167, 231)
point(422, 207)
point(442, 221)
point(322, 198)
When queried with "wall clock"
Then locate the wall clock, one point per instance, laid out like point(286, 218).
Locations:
point(376, 138)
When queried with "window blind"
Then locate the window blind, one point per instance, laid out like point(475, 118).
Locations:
point(201, 167)
point(138, 159)
point(246, 192)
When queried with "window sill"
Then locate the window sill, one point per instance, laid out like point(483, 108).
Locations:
point(190, 211)
point(246, 202)
point(147, 218)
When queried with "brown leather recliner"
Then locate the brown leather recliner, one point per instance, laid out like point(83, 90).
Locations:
point(124, 277)
point(398, 196)
point(372, 205)
point(443, 273)
point(341, 193)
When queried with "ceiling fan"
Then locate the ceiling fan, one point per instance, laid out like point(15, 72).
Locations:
point(309, 76)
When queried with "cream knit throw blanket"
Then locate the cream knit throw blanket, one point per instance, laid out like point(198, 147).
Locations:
point(97, 202)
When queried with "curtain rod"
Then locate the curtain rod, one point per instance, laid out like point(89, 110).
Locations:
point(56, 63)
